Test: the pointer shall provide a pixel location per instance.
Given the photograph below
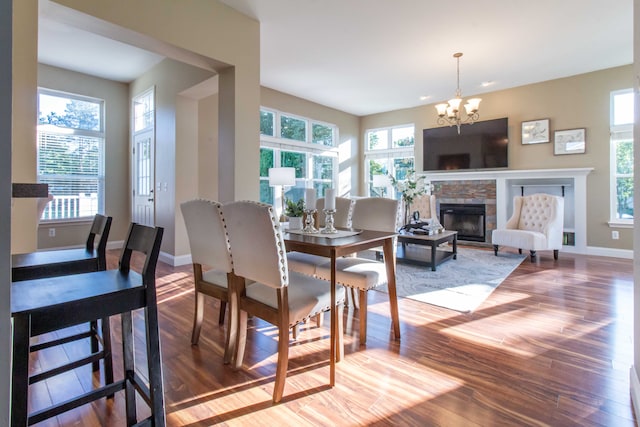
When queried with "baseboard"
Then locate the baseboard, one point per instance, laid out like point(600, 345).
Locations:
point(635, 391)
point(591, 250)
point(610, 252)
point(115, 245)
point(173, 260)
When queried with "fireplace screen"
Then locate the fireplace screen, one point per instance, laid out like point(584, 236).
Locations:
point(467, 219)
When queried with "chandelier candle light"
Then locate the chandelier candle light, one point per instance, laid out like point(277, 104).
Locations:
point(329, 211)
point(310, 210)
point(450, 113)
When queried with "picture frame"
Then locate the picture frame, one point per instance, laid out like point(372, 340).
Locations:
point(535, 131)
point(569, 141)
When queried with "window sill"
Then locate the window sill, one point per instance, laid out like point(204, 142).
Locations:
point(66, 222)
point(618, 224)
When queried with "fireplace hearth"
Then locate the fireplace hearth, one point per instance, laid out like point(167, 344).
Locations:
point(467, 219)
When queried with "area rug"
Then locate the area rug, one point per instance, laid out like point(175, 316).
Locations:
point(461, 284)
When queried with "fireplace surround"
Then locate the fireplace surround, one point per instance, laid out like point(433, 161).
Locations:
point(497, 188)
point(468, 219)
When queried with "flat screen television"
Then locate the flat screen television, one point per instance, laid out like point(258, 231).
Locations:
point(481, 145)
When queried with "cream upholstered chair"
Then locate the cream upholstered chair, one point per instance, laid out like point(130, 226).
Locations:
point(342, 217)
point(211, 260)
point(362, 274)
point(536, 224)
point(281, 297)
point(426, 205)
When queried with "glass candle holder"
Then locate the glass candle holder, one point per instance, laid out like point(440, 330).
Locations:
point(309, 226)
point(328, 222)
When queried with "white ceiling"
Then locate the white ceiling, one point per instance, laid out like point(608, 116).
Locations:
point(370, 56)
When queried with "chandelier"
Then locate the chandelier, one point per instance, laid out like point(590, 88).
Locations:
point(450, 113)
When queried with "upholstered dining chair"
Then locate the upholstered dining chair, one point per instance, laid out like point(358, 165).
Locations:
point(306, 263)
point(281, 297)
point(342, 217)
point(536, 224)
point(363, 274)
point(211, 259)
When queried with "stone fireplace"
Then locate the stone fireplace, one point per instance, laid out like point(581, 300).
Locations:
point(469, 207)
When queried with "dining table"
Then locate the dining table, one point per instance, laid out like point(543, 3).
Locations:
point(342, 243)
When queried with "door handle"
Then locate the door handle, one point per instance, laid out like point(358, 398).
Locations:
point(149, 200)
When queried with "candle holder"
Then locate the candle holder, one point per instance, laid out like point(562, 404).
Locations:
point(328, 222)
point(309, 221)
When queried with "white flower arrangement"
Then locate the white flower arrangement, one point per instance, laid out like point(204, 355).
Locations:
point(411, 187)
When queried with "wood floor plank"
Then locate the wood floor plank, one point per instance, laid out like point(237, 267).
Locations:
point(552, 346)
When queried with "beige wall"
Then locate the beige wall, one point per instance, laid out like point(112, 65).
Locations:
point(575, 102)
point(208, 34)
point(6, 39)
point(348, 126)
point(23, 155)
point(116, 161)
point(208, 147)
point(169, 78)
point(186, 160)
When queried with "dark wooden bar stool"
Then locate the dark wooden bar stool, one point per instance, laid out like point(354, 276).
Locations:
point(44, 305)
point(35, 265)
point(63, 262)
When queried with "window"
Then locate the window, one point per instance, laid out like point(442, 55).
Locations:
point(389, 151)
point(71, 154)
point(622, 157)
point(305, 144)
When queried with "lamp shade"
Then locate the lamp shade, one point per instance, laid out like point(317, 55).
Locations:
point(282, 176)
point(442, 109)
point(474, 104)
point(381, 181)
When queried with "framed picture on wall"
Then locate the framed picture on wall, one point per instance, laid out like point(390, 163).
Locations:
point(535, 131)
point(571, 141)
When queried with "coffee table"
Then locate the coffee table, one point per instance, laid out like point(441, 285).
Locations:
point(438, 256)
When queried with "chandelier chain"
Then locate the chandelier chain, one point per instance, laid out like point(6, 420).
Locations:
point(449, 113)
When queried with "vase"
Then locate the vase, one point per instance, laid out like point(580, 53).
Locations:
point(295, 223)
point(407, 213)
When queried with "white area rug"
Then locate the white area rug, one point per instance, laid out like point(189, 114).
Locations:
point(461, 284)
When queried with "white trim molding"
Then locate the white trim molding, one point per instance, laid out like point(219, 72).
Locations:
point(610, 252)
point(635, 390)
point(575, 179)
point(173, 260)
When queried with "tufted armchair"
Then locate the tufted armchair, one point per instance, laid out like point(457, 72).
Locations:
point(536, 224)
point(426, 205)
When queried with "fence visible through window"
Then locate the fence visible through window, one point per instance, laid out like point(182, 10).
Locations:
point(66, 207)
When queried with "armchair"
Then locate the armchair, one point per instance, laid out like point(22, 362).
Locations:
point(426, 205)
point(536, 224)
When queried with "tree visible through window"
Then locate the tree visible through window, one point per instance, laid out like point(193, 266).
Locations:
point(389, 151)
point(70, 154)
point(622, 156)
point(302, 143)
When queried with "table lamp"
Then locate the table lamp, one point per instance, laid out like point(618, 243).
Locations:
point(381, 181)
point(282, 177)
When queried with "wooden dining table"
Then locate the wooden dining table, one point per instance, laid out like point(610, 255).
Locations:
point(335, 247)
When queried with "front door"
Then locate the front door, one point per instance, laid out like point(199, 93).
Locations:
point(143, 155)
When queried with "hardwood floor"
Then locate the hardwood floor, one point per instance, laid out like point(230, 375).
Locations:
point(551, 346)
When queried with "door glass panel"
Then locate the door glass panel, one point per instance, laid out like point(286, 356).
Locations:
point(143, 151)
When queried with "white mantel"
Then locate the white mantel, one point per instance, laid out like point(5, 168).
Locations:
point(505, 179)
